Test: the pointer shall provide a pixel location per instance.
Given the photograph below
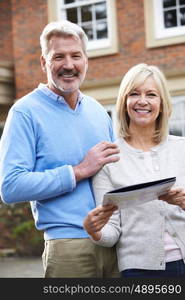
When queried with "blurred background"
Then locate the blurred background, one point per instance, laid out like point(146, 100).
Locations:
point(121, 34)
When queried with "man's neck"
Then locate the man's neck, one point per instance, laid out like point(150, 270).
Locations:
point(71, 98)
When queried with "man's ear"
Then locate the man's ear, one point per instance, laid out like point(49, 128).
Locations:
point(43, 63)
point(87, 63)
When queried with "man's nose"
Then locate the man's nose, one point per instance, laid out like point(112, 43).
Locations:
point(68, 63)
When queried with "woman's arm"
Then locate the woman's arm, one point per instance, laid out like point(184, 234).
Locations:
point(103, 223)
point(175, 196)
point(97, 219)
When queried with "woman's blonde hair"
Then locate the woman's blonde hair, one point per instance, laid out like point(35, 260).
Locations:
point(134, 78)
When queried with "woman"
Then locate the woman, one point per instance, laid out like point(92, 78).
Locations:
point(150, 237)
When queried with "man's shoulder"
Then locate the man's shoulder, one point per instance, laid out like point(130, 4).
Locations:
point(94, 103)
point(89, 98)
point(26, 101)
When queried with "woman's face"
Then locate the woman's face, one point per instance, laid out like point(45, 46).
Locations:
point(143, 104)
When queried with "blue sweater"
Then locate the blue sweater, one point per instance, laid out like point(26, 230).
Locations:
point(43, 137)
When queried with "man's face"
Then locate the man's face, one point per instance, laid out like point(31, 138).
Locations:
point(65, 65)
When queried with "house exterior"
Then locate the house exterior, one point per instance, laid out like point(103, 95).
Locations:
point(121, 34)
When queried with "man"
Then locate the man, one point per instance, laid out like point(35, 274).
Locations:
point(54, 140)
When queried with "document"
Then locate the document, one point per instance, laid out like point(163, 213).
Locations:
point(138, 194)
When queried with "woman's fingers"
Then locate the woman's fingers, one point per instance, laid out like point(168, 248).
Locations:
point(175, 196)
point(98, 217)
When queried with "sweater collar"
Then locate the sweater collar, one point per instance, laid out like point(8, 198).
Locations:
point(129, 148)
point(43, 87)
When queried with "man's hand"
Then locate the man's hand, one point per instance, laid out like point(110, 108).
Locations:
point(99, 155)
point(96, 220)
point(175, 196)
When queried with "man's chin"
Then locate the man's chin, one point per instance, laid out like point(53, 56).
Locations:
point(67, 91)
point(68, 88)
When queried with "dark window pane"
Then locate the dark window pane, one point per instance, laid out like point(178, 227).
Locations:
point(88, 30)
point(101, 11)
point(170, 18)
point(1, 131)
point(68, 1)
point(182, 2)
point(182, 16)
point(175, 131)
point(109, 113)
point(86, 13)
point(168, 3)
point(101, 28)
point(72, 15)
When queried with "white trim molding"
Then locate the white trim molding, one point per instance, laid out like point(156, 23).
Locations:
point(6, 83)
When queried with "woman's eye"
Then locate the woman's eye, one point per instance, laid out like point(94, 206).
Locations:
point(133, 94)
point(152, 95)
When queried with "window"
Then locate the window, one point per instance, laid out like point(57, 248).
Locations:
point(96, 17)
point(177, 120)
point(169, 18)
point(1, 128)
point(91, 17)
point(164, 22)
point(111, 109)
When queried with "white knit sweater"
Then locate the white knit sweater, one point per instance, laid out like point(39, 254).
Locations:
point(139, 231)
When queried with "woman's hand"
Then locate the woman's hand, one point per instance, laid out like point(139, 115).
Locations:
point(96, 219)
point(175, 196)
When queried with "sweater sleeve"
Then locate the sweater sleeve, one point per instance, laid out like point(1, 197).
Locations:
point(112, 230)
point(18, 180)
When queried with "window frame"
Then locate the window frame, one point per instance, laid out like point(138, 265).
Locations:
point(111, 108)
point(102, 47)
point(156, 35)
point(178, 100)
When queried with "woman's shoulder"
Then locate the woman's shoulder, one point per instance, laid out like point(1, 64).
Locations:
point(176, 144)
point(176, 139)
point(119, 141)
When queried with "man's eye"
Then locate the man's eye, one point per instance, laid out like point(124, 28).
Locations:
point(77, 56)
point(57, 57)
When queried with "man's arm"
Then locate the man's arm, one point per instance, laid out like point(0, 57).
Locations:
point(96, 158)
point(18, 180)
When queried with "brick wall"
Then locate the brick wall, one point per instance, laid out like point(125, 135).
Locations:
point(132, 49)
point(6, 45)
point(29, 18)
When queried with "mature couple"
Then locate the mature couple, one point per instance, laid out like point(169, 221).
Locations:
point(58, 151)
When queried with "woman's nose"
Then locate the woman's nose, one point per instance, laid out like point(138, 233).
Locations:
point(143, 99)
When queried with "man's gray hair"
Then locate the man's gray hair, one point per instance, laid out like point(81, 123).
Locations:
point(61, 28)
